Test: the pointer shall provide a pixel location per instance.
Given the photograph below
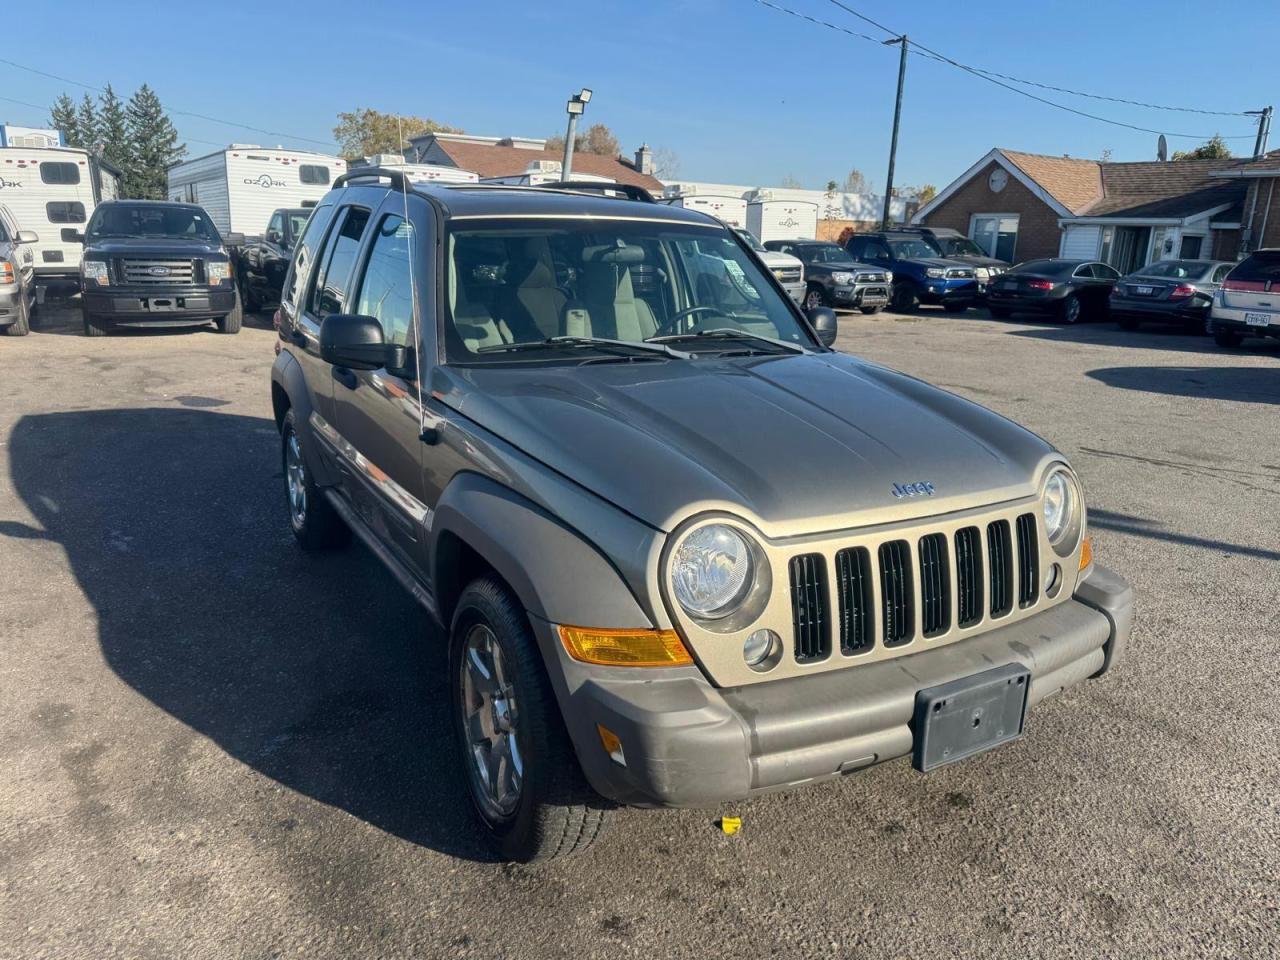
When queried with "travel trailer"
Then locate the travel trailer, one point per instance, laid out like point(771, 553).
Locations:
point(241, 186)
point(52, 192)
point(542, 172)
point(727, 209)
point(418, 172)
point(771, 219)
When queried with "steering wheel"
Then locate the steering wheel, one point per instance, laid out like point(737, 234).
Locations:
point(669, 327)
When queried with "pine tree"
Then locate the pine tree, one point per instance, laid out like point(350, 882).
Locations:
point(62, 115)
point(87, 129)
point(113, 131)
point(154, 146)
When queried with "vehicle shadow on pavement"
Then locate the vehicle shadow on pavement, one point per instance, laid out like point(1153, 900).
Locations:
point(1151, 530)
point(1243, 384)
point(1153, 338)
point(317, 671)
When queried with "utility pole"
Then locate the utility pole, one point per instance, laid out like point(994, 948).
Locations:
point(897, 117)
point(1264, 129)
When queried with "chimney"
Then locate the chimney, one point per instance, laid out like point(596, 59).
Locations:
point(644, 160)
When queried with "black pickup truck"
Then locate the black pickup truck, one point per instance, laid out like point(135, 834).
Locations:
point(154, 263)
point(264, 260)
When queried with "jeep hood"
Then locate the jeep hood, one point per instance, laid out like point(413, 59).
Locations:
point(799, 443)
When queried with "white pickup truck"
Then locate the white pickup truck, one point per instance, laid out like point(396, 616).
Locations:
point(788, 269)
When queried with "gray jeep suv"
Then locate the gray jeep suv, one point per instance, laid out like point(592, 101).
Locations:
point(682, 552)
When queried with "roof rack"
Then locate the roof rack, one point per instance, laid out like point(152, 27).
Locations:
point(398, 180)
point(628, 190)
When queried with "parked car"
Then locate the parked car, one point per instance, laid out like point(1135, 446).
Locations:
point(17, 275)
point(155, 263)
point(921, 275)
point(621, 509)
point(1248, 302)
point(1070, 290)
point(263, 261)
point(954, 245)
point(1168, 291)
point(788, 269)
point(835, 279)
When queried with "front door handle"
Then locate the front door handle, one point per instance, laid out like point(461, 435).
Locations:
point(345, 377)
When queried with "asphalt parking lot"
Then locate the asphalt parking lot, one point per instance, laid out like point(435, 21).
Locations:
point(214, 746)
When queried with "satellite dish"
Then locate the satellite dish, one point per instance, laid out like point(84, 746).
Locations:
point(1162, 149)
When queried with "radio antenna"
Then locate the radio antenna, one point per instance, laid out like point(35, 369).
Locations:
point(413, 292)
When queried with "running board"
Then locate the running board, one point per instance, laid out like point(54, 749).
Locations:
point(398, 569)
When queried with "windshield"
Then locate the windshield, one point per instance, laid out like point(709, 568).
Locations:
point(962, 247)
point(158, 222)
point(526, 282)
point(825, 253)
point(914, 249)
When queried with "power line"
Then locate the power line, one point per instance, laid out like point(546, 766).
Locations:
point(44, 108)
point(180, 113)
point(989, 76)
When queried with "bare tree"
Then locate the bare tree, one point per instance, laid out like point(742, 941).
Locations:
point(856, 182)
point(666, 164)
point(791, 183)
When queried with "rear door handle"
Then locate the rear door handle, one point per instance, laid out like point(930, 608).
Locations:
point(345, 377)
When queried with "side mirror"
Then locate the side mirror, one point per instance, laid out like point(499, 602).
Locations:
point(234, 240)
point(356, 343)
point(27, 236)
point(824, 324)
point(273, 236)
point(72, 235)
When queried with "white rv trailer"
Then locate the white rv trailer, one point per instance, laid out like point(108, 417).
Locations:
point(730, 210)
point(241, 186)
point(771, 219)
point(418, 172)
point(52, 191)
point(541, 172)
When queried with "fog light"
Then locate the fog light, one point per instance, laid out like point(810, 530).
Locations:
point(1052, 579)
point(760, 648)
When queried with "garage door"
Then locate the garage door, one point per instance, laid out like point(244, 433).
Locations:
point(1080, 243)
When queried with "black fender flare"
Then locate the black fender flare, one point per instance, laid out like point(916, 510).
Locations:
point(289, 391)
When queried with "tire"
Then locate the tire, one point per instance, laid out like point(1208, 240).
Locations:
point(904, 298)
point(95, 326)
point(315, 524)
point(22, 326)
point(1128, 323)
point(814, 297)
point(1070, 309)
point(1226, 338)
point(870, 311)
point(232, 321)
point(542, 807)
point(955, 307)
point(1000, 313)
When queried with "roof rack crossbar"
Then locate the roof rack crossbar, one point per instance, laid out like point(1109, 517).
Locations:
point(629, 190)
point(398, 180)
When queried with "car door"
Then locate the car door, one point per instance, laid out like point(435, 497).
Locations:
point(379, 416)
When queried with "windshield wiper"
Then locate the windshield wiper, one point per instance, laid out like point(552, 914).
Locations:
point(599, 343)
point(728, 333)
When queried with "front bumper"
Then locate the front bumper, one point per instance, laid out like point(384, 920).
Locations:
point(10, 303)
point(687, 743)
point(796, 290)
point(159, 305)
point(1166, 311)
point(943, 292)
point(861, 295)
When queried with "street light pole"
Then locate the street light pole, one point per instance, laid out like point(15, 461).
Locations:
point(577, 103)
point(897, 117)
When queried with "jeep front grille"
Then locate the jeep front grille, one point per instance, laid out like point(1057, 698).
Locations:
point(926, 583)
point(809, 607)
point(154, 272)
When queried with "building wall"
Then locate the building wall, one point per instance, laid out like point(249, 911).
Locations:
point(1038, 231)
point(1266, 217)
point(1224, 244)
point(832, 229)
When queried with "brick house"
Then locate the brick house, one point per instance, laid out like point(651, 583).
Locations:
point(516, 158)
point(1022, 206)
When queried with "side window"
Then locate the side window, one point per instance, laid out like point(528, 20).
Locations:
point(877, 250)
point(1083, 272)
point(313, 173)
point(276, 224)
point(1104, 272)
point(64, 211)
point(386, 290)
point(51, 172)
point(308, 249)
point(857, 247)
point(1221, 273)
point(330, 290)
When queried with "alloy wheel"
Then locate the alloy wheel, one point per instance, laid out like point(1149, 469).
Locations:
point(812, 300)
point(295, 470)
point(489, 723)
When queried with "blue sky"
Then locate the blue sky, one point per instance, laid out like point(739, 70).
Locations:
point(740, 92)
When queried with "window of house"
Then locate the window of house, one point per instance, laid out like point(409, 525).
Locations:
point(64, 211)
point(313, 173)
point(330, 291)
point(995, 233)
point(1191, 248)
point(51, 172)
point(1108, 240)
point(189, 193)
point(386, 290)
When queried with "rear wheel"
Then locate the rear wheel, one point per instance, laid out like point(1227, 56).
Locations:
point(521, 770)
point(1069, 309)
point(904, 298)
point(315, 524)
point(814, 297)
point(1226, 338)
point(22, 326)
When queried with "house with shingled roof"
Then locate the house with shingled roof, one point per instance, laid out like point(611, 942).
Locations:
point(1023, 206)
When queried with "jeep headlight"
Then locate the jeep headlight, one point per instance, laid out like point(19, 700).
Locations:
point(218, 271)
point(94, 271)
point(935, 273)
point(712, 571)
point(1063, 511)
point(842, 278)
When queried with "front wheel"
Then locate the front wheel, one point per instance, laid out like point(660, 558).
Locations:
point(1226, 338)
point(232, 321)
point(22, 326)
point(814, 297)
point(904, 298)
point(521, 770)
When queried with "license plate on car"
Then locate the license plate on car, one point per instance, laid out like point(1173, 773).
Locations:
point(1144, 291)
point(960, 719)
point(1257, 319)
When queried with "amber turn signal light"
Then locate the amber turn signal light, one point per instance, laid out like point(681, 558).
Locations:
point(625, 648)
point(1086, 553)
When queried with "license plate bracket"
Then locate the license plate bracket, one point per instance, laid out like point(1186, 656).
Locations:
point(960, 719)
